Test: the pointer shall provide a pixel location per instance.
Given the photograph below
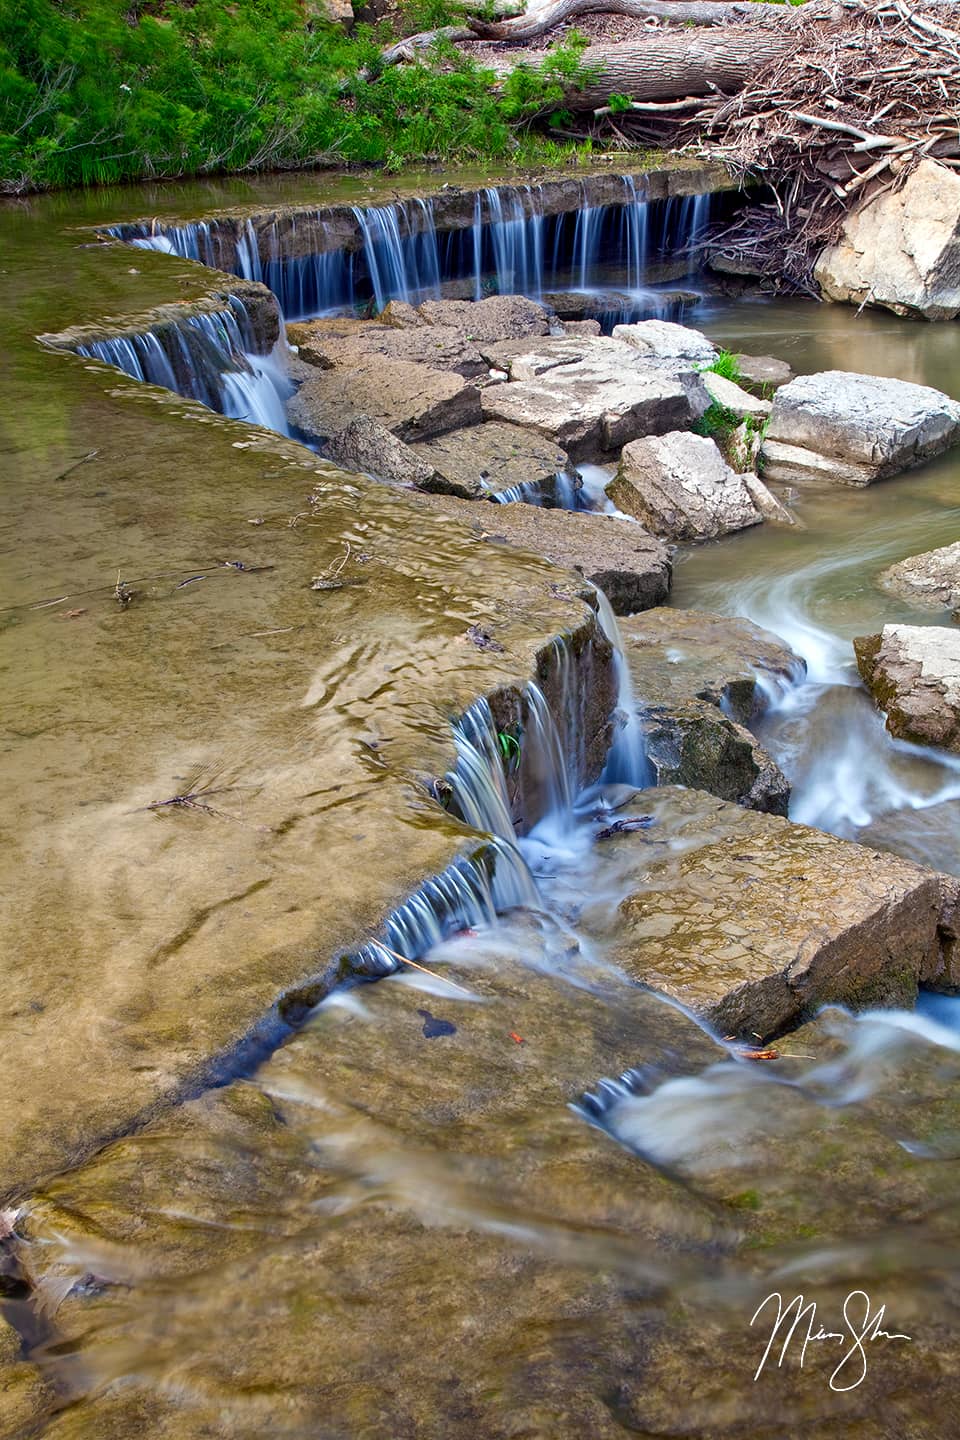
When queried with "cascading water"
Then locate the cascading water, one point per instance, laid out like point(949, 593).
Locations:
point(511, 247)
point(627, 762)
point(209, 357)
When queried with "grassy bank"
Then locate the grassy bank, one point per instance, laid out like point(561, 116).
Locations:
point(97, 91)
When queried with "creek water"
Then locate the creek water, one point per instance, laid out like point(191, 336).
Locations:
point(517, 1194)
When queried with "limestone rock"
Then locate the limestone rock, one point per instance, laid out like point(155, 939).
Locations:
point(770, 507)
point(343, 342)
point(914, 674)
point(580, 327)
point(488, 459)
point(591, 395)
point(368, 446)
point(762, 370)
point(632, 568)
point(414, 401)
point(901, 250)
point(853, 429)
point(931, 580)
point(663, 340)
point(499, 317)
point(678, 655)
point(680, 487)
point(733, 397)
point(700, 680)
point(334, 12)
point(755, 922)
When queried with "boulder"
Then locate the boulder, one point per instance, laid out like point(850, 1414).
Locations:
point(764, 370)
point(663, 340)
point(488, 459)
point(345, 343)
point(591, 395)
point(755, 923)
point(499, 317)
point(725, 660)
point(734, 398)
point(632, 568)
point(580, 327)
point(931, 580)
point(901, 250)
point(913, 672)
point(853, 429)
point(700, 679)
point(680, 487)
point(414, 401)
point(368, 446)
point(331, 12)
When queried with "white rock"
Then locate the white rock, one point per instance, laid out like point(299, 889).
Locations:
point(680, 487)
point(902, 249)
point(853, 429)
point(914, 673)
point(931, 579)
point(728, 394)
point(664, 340)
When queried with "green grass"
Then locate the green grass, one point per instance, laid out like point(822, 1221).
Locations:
point(726, 364)
point(100, 91)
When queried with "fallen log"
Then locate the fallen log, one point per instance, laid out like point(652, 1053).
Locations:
point(671, 12)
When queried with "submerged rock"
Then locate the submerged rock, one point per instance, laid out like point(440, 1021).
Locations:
point(680, 486)
point(931, 580)
point(700, 679)
point(414, 401)
point(755, 922)
point(632, 568)
point(913, 672)
point(764, 371)
point(901, 250)
point(487, 459)
point(854, 429)
point(591, 394)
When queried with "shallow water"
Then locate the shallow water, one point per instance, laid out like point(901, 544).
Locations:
point(538, 1200)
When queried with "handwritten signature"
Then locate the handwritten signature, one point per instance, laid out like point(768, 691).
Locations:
point(861, 1330)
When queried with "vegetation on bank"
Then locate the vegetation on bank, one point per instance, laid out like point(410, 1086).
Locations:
point(98, 91)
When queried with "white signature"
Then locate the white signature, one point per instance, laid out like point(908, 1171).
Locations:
point(860, 1331)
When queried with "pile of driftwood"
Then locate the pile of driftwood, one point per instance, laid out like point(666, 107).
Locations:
point(825, 103)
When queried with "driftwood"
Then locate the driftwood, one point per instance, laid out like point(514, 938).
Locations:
point(676, 12)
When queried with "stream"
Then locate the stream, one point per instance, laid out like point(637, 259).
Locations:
point(508, 1191)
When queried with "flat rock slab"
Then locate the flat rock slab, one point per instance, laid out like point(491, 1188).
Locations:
point(913, 672)
point(664, 340)
point(755, 922)
point(488, 459)
point(853, 429)
point(679, 485)
point(678, 655)
point(631, 567)
point(413, 401)
point(590, 394)
point(901, 250)
point(764, 371)
point(699, 680)
point(367, 445)
point(931, 580)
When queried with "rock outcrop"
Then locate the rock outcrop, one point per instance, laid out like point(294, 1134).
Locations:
point(902, 249)
point(413, 401)
point(854, 429)
point(664, 340)
point(679, 485)
point(368, 446)
point(931, 580)
point(700, 680)
point(591, 395)
point(755, 922)
point(488, 459)
point(632, 568)
point(913, 672)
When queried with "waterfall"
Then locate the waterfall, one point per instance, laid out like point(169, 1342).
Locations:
point(505, 241)
point(209, 357)
point(627, 762)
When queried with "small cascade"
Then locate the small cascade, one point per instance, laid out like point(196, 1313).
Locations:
point(474, 892)
point(633, 235)
point(402, 264)
point(585, 238)
point(516, 240)
point(209, 357)
point(627, 762)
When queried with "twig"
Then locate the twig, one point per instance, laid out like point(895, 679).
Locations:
point(416, 966)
